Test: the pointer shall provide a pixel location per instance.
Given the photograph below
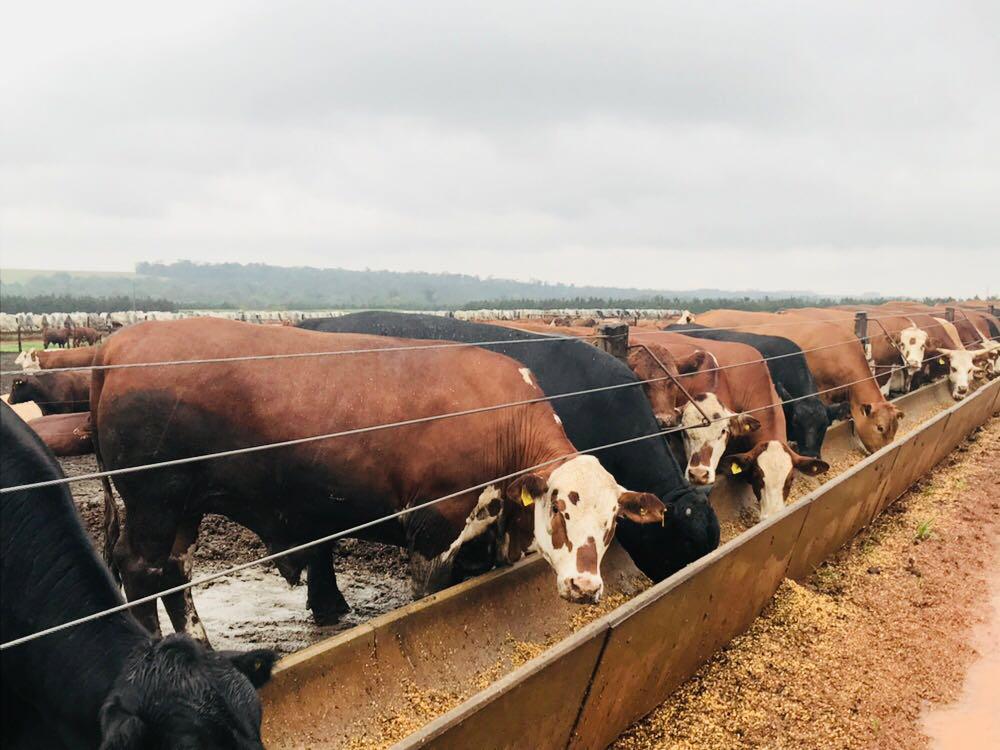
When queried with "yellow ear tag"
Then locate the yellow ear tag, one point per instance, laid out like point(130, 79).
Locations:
point(941, 361)
point(526, 498)
point(735, 468)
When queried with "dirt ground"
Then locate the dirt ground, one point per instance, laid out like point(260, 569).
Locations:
point(256, 607)
point(854, 657)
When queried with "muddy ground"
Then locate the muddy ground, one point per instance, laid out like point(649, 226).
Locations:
point(257, 607)
point(854, 657)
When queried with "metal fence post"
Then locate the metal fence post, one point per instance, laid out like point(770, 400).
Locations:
point(613, 339)
point(949, 314)
point(861, 325)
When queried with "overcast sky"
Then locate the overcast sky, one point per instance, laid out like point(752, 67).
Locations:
point(835, 146)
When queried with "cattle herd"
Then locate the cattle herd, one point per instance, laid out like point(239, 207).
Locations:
point(468, 444)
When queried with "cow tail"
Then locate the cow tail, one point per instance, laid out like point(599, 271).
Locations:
point(112, 530)
point(112, 520)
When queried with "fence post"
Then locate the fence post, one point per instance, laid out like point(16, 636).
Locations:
point(861, 325)
point(19, 337)
point(949, 314)
point(614, 339)
point(992, 310)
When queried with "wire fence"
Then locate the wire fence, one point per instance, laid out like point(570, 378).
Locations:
point(357, 431)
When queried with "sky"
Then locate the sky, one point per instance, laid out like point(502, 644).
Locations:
point(836, 147)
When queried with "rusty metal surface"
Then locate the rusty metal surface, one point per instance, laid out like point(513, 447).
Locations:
point(535, 708)
point(839, 509)
point(965, 416)
point(661, 637)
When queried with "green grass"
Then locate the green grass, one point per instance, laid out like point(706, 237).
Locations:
point(923, 530)
point(11, 346)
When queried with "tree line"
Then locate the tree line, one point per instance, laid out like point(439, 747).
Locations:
point(50, 303)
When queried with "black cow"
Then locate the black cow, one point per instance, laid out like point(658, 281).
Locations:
point(105, 683)
point(691, 528)
point(53, 392)
point(807, 418)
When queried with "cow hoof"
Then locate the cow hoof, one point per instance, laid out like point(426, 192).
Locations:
point(331, 616)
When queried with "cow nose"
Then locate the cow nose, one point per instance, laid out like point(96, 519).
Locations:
point(699, 474)
point(584, 589)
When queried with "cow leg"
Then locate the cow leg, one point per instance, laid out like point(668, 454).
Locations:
point(323, 595)
point(180, 606)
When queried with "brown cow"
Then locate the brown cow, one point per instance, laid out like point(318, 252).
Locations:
point(297, 493)
point(85, 334)
point(65, 434)
point(896, 347)
point(651, 362)
point(32, 359)
point(54, 392)
point(57, 336)
point(837, 361)
point(758, 438)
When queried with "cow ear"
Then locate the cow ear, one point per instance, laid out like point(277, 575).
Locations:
point(838, 411)
point(736, 464)
point(899, 412)
point(120, 728)
point(526, 489)
point(867, 409)
point(256, 664)
point(743, 424)
point(641, 507)
point(811, 466)
point(692, 362)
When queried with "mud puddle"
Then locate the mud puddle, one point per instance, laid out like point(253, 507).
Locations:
point(256, 607)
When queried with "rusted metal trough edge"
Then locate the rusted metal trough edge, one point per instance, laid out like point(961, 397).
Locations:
point(486, 720)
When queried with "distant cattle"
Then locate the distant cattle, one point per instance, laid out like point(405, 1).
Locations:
point(105, 683)
point(567, 506)
point(56, 336)
point(85, 335)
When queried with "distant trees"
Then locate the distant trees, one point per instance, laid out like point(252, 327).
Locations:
point(49, 303)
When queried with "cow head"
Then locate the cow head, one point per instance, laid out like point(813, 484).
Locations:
point(576, 508)
point(875, 424)
point(28, 360)
point(912, 342)
point(768, 467)
point(808, 420)
point(964, 366)
point(662, 393)
point(705, 444)
point(176, 694)
point(22, 389)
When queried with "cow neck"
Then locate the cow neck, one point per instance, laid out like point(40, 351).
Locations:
point(92, 655)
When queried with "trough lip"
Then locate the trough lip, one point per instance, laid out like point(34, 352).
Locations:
point(610, 620)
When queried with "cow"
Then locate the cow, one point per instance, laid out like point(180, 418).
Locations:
point(948, 357)
point(294, 494)
point(657, 367)
point(32, 359)
point(895, 346)
point(85, 334)
point(590, 419)
point(746, 418)
point(106, 682)
point(806, 416)
point(53, 392)
point(65, 434)
point(56, 336)
point(838, 363)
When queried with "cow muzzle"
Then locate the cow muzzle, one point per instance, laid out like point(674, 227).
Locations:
point(582, 589)
point(700, 475)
